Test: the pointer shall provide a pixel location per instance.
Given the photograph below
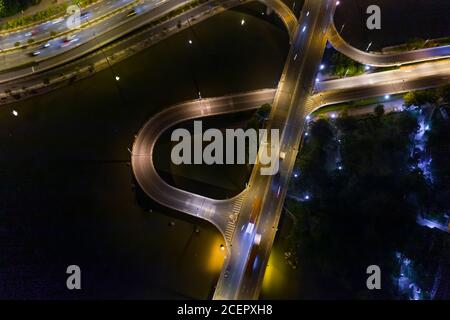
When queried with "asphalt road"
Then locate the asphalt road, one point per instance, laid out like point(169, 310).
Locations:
point(219, 212)
point(245, 273)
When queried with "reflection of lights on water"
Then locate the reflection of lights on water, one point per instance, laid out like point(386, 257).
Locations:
point(275, 276)
point(216, 255)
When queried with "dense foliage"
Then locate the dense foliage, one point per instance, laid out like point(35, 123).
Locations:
point(342, 66)
point(10, 7)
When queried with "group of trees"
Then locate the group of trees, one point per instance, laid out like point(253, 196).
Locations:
point(10, 7)
point(360, 215)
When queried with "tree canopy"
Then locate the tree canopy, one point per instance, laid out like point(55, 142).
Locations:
point(361, 214)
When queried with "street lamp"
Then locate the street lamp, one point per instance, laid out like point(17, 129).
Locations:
point(117, 78)
point(15, 113)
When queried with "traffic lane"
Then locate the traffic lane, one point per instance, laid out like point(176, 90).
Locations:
point(58, 25)
point(39, 53)
point(91, 45)
point(36, 78)
point(250, 286)
point(387, 59)
point(174, 198)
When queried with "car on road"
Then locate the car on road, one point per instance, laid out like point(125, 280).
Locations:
point(32, 33)
point(253, 260)
point(69, 40)
point(131, 13)
point(85, 15)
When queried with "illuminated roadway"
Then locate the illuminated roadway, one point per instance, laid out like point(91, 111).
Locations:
point(385, 59)
point(41, 31)
point(89, 40)
point(287, 116)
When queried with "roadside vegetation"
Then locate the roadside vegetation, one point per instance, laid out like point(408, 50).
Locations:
point(419, 43)
point(343, 66)
point(11, 7)
point(356, 200)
